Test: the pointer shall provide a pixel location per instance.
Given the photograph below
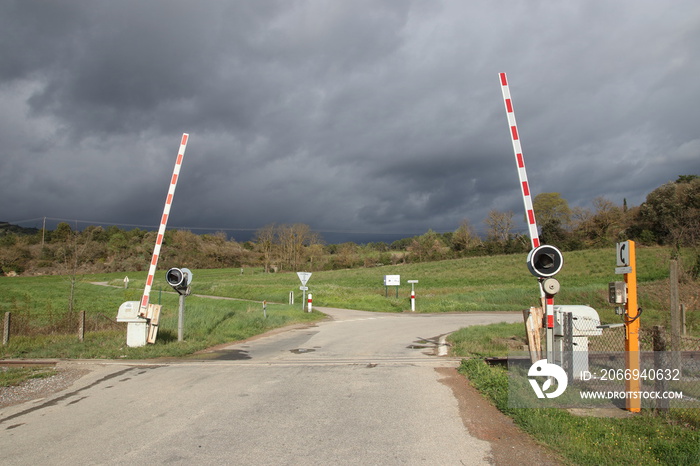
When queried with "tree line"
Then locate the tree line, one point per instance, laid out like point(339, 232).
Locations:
point(670, 215)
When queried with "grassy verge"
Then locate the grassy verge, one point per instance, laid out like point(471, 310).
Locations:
point(11, 376)
point(641, 439)
point(208, 322)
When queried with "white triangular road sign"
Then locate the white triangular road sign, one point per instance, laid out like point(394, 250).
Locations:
point(304, 277)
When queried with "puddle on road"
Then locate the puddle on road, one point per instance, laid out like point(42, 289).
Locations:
point(301, 350)
point(421, 344)
point(424, 344)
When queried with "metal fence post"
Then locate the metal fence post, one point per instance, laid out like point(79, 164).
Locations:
point(660, 363)
point(568, 356)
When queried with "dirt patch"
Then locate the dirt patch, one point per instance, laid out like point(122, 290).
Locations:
point(509, 444)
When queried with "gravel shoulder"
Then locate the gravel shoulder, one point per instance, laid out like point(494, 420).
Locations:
point(38, 389)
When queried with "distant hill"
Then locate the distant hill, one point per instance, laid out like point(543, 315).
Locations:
point(7, 228)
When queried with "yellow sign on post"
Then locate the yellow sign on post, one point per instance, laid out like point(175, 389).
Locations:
point(627, 264)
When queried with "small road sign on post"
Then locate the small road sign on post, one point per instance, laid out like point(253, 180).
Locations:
point(392, 280)
point(303, 278)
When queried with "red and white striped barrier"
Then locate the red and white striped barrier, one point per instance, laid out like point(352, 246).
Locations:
point(547, 300)
point(520, 162)
point(143, 308)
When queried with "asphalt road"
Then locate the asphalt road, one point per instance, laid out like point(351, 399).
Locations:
point(360, 388)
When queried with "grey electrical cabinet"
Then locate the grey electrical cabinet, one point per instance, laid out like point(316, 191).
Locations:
point(585, 323)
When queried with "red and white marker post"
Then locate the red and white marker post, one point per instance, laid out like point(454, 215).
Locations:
point(413, 294)
point(143, 308)
point(310, 302)
point(547, 299)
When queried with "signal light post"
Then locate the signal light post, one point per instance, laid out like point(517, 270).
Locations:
point(180, 280)
point(544, 262)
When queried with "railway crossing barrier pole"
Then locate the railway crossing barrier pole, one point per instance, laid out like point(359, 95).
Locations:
point(543, 261)
point(143, 308)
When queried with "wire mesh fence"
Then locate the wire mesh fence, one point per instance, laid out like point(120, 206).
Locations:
point(668, 381)
point(19, 323)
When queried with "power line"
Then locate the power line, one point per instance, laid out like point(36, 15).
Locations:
point(177, 227)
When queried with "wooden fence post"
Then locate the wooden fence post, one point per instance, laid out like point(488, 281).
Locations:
point(533, 324)
point(675, 308)
point(6, 329)
point(683, 327)
point(81, 326)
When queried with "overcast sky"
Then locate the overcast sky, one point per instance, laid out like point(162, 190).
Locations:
point(346, 115)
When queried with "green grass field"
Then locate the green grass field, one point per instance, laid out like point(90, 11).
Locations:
point(485, 283)
point(470, 284)
point(42, 328)
point(496, 283)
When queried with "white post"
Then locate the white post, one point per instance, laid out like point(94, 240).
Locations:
point(309, 302)
point(413, 294)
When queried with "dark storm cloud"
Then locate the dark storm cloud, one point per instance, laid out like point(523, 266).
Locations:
point(369, 116)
